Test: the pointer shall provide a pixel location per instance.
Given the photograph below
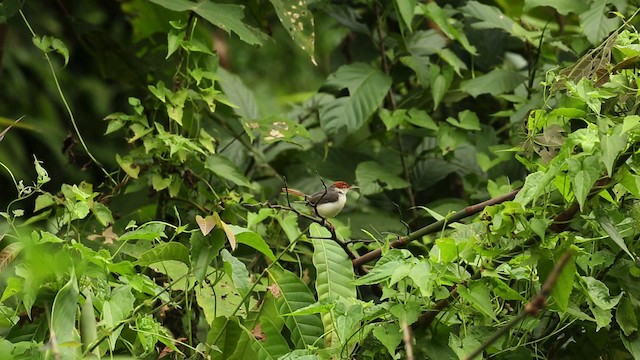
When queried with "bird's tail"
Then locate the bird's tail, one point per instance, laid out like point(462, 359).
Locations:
point(293, 192)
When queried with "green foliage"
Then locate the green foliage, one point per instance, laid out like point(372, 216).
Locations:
point(176, 243)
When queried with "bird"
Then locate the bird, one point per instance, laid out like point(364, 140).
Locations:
point(327, 202)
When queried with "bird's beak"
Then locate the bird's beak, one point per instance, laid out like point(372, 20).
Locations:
point(354, 187)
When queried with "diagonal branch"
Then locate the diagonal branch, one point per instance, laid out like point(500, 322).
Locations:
point(437, 226)
point(532, 308)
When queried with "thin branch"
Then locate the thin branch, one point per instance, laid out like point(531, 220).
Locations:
point(407, 338)
point(533, 307)
point(437, 226)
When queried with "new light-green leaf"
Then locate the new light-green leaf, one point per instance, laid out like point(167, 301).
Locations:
point(367, 88)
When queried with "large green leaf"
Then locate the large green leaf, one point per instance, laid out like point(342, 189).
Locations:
point(269, 344)
point(298, 21)
point(334, 277)
point(293, 295)
point(63, 320)
point(595, 22)
point(219, 297)
point(228, 17)
point(367, 88)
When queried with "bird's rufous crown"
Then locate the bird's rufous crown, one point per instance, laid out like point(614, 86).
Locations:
point(341, 185)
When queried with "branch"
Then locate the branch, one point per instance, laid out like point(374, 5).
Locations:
point(437, 226)
point(534, 306)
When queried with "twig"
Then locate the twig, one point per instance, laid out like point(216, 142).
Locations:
point(407, 337)
point(534, 306)
point(320, 221)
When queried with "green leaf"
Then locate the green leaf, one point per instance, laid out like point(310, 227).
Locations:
point(445, 24)
point(503, 291)
point(421, 119)
point(237, 271)
point(632, 344)
point(595, 22)
point(275, 129)
point(204, 250)
point(239, 94)
point(467, 120)
point(298, 21)
point(126, 163)
point(49, 44)
point(219, 299)
point(224, 168)
point(165, 251)
point(477, 293)
point(225, 16)
point(495, 82)
point(598, 292)
point(492, 18)
point(610, 228)
point(44, 201)
point(452, 59)
point(153, 231)
point(612, 146)
point(563, 7)
point(269, 344)
point(250, 238)
point(373, 178)
point(390, 335)
point(406, 9)
point(564, 285)
point(629, 123)
point(116, 309)
point(102, 213)
point(223, 336)
point(367, 88)
point(334, 278)
point(293, 294)
point(63, 318)
point(533, 186)
point(583, 175)
point(88, 323)
point(626, 317)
